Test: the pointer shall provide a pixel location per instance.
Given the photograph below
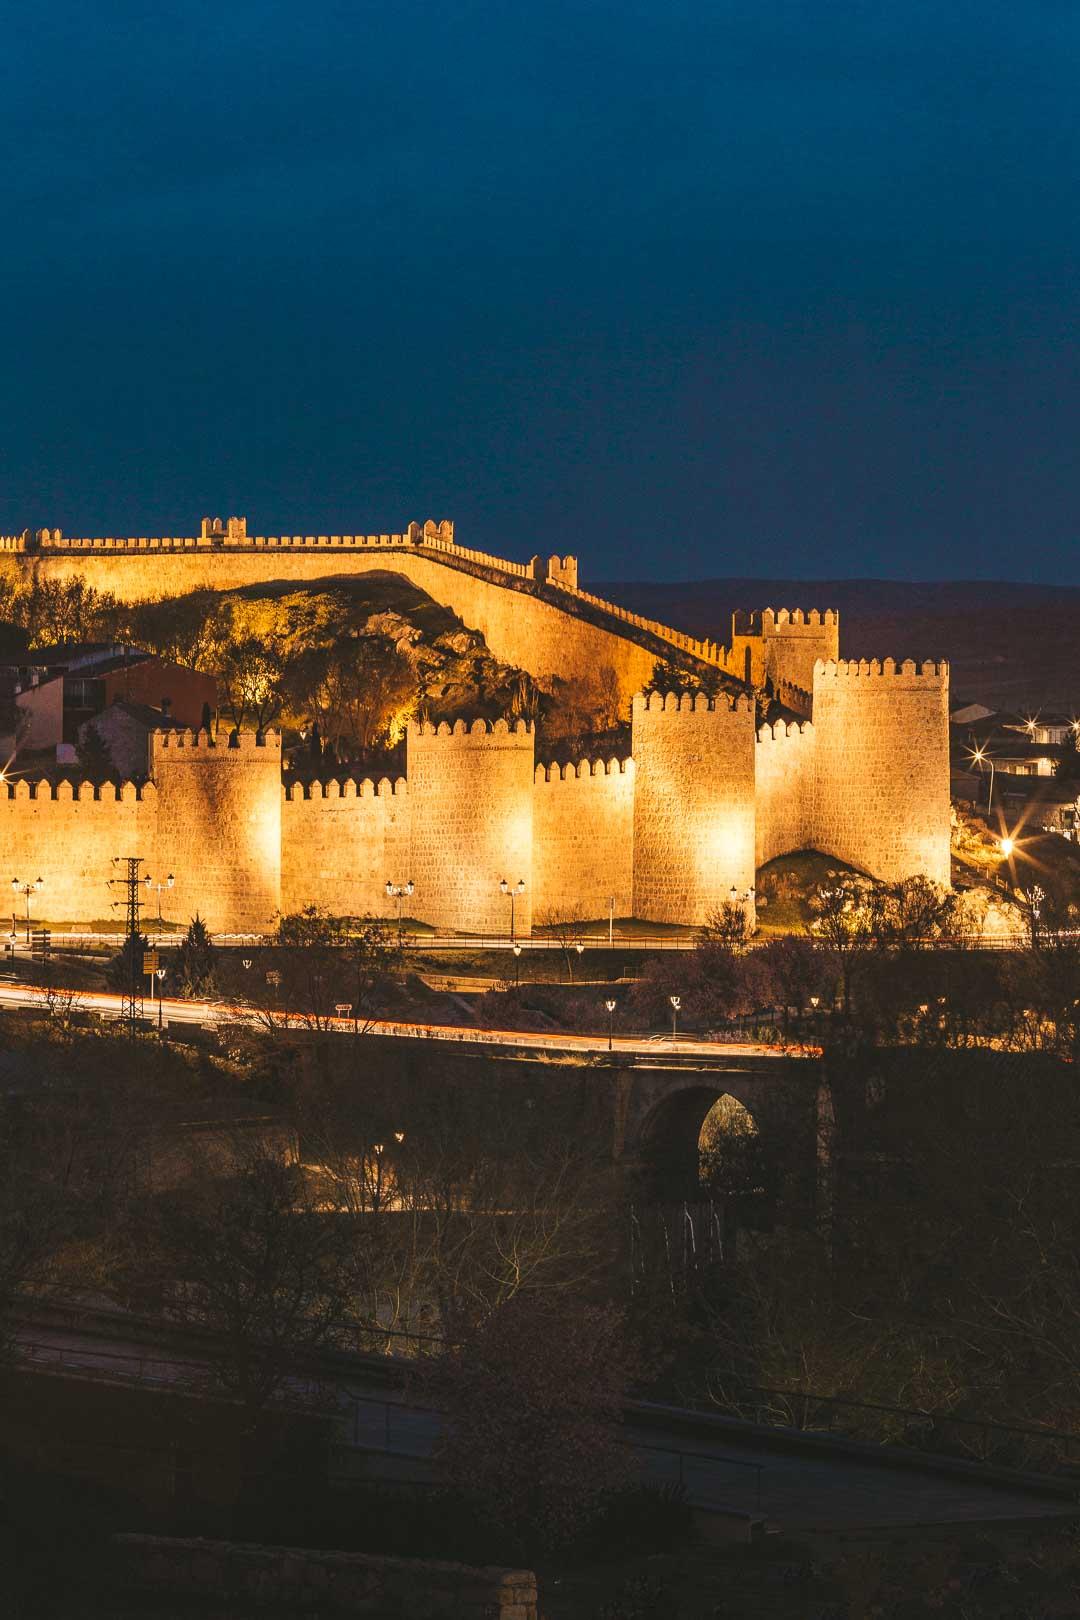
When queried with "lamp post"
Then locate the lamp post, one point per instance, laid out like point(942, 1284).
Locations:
point(27, 889)
point(513, 890)
point(398, 891)
point(980, 757)
point(159, 974)
point(517, 965)
point(610, 1005)
point(676, 1003)
point(150, 884)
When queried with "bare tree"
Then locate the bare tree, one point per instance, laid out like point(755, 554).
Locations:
point(566, 924)
point(252, 1259)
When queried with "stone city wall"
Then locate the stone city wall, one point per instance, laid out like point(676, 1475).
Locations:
point(881, 766)
point(702, 801)
point(224, 1580)
point(471, 813)
point(693, 804)
point(519, 627)
point(784, 796)
point(583, 839)
point(782, 645)
point(544, 632)
point(340, 842)
point(219, 825)
point(70, 835)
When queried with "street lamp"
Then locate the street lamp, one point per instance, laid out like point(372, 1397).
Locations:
point(150, 884)
point(18, 887)
point(610, 1005)
point(398, 892)
point(159, 974)
point(980, 757)
point(676, 1003)
point(517, 965)
point(1007, 847)
point(513, 891)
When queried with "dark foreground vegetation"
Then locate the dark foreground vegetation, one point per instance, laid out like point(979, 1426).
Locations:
point(279, 1194)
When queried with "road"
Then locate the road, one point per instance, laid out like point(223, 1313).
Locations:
point(798, 1482)
point(421, 940)
point(215, 1014)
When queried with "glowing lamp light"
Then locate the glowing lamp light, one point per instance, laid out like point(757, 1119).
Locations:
point(1007, 847)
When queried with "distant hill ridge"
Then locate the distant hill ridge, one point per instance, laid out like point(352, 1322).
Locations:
point(1010, 645)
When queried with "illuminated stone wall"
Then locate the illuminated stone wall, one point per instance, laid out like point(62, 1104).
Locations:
point(668, 832)
point(471, 816)
point(519, 628)
point(782, 645)
point(881, 771)
point(693, 804)
point(219, 825)
point(340, 842)
point(784, 793)
point(583, 839)
point(69, 836)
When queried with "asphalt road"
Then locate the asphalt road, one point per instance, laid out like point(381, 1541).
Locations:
point(220, 1015)
point(797, 1487)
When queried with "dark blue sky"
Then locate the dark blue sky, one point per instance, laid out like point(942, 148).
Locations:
point(690, 288)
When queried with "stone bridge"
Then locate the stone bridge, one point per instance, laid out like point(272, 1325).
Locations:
point(654, 1100)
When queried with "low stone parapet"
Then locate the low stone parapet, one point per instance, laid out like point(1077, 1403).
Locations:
point(235, 1579)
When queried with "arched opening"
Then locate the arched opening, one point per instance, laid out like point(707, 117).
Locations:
point(730, 1160)
point(703, 1143)
point(704, 1179)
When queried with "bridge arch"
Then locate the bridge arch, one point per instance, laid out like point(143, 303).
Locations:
point(674, 1130)
point(764, 1134)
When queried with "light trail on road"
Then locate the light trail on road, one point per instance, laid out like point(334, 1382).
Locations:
point(222, 1015)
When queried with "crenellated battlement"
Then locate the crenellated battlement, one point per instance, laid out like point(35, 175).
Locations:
point(929, 673)
point(766, 621)
point(577, 771)
point(177, 740)
point(691, 703)
point(470, 728)
point(367, 788)
point(45, 791)
point(782, 730)
point(233, 535)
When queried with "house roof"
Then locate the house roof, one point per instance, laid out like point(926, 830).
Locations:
point(152, 719)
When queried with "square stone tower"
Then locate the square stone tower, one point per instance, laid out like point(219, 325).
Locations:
point(693, 804)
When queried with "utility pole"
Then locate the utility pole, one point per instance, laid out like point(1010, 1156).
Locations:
point(132, 1009)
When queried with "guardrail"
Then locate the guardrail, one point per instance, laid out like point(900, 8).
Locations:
point(691, 1465)
point(940, 1433)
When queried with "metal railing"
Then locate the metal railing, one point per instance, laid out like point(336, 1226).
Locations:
point(692, 1465)
point(941, 1433)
